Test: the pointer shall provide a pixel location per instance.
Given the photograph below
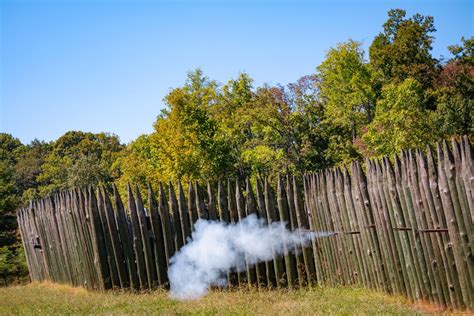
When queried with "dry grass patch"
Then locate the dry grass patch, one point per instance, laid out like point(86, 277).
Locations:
point(47, 298)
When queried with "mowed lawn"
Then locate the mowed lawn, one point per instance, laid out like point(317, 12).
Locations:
point(46, 298)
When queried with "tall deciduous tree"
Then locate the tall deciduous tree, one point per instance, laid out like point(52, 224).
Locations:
point(455, 88)
point(346, 88)
point(9, 192)
point(186, 143)
point(136, 164)
point(401, 120)
point(79, 159)
point(231, 112)
point(12, 261)
point(310, 141)
point(29, 167)
point(402, 50)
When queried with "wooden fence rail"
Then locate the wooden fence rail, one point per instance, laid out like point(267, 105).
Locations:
point(403, 226)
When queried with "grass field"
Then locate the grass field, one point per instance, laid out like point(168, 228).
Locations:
point(61, 299)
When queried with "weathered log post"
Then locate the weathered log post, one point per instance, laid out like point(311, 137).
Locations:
point(159, 253)
point(137, 241)
point(126, 239)
point(272, 217)
point(290, 263)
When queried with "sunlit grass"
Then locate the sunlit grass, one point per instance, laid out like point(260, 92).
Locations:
point(47, 298)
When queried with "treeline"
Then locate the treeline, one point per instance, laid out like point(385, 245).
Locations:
point(350, 108)
point(38, 169)
point(356, 104)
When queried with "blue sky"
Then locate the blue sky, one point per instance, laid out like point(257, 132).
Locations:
point(106, 65)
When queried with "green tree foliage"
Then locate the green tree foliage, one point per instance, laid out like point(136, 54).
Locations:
point(79, 159)
point(401, 120)
point(269, 143)
point(310, 141)
point(208, 131)
point(136, 164)
point(186, 137)
point(29, 167)
point(346, 84)
point(9, 191)
point(455, 88)
point(284, 125)
point(232, 112)
point(402, 50)
point(186, 143)
point(12, 262)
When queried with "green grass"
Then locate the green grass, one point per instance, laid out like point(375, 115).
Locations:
point(61, 299)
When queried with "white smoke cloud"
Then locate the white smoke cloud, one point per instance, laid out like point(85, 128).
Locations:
point(216, 247)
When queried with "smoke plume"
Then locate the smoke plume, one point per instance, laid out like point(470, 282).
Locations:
point(216, 247)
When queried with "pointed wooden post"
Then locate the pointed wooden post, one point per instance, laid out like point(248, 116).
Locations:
point(145, 235)
point(256, 273)
point(114, 236)
point(183, 213)
point(100, 254)
point(126, 241)
point(290, 264)
point(193, 214)
point(296, 247)
point(223, 216)
point(272, 217)
point(468, 172)
point(240, 203)
point(166, 225)
point(311, 208)
point(85, 236)
point(108, 241)
point(211, 204)
point(270, 279)
point(201, 207)
point(176, 220)
point(158, 242)
point(303, 223)
point(233, 218)
point(137, 240)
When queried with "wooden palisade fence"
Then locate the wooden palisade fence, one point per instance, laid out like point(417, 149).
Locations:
point(404, 226)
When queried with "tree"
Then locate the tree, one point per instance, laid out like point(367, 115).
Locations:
point(401, 120)
point(12, 263)
point(311, 142)
point(28, 168)
point(9, 192)
point(9, 199)
point(402, 50)
point(186, 137)
point(230, 112)
point(268, 144)
point(277, 127)
point(79, 159)
point(137, 164)
point(346, 88)
point(186, 143)
point(454, 90)
point(464, 52)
